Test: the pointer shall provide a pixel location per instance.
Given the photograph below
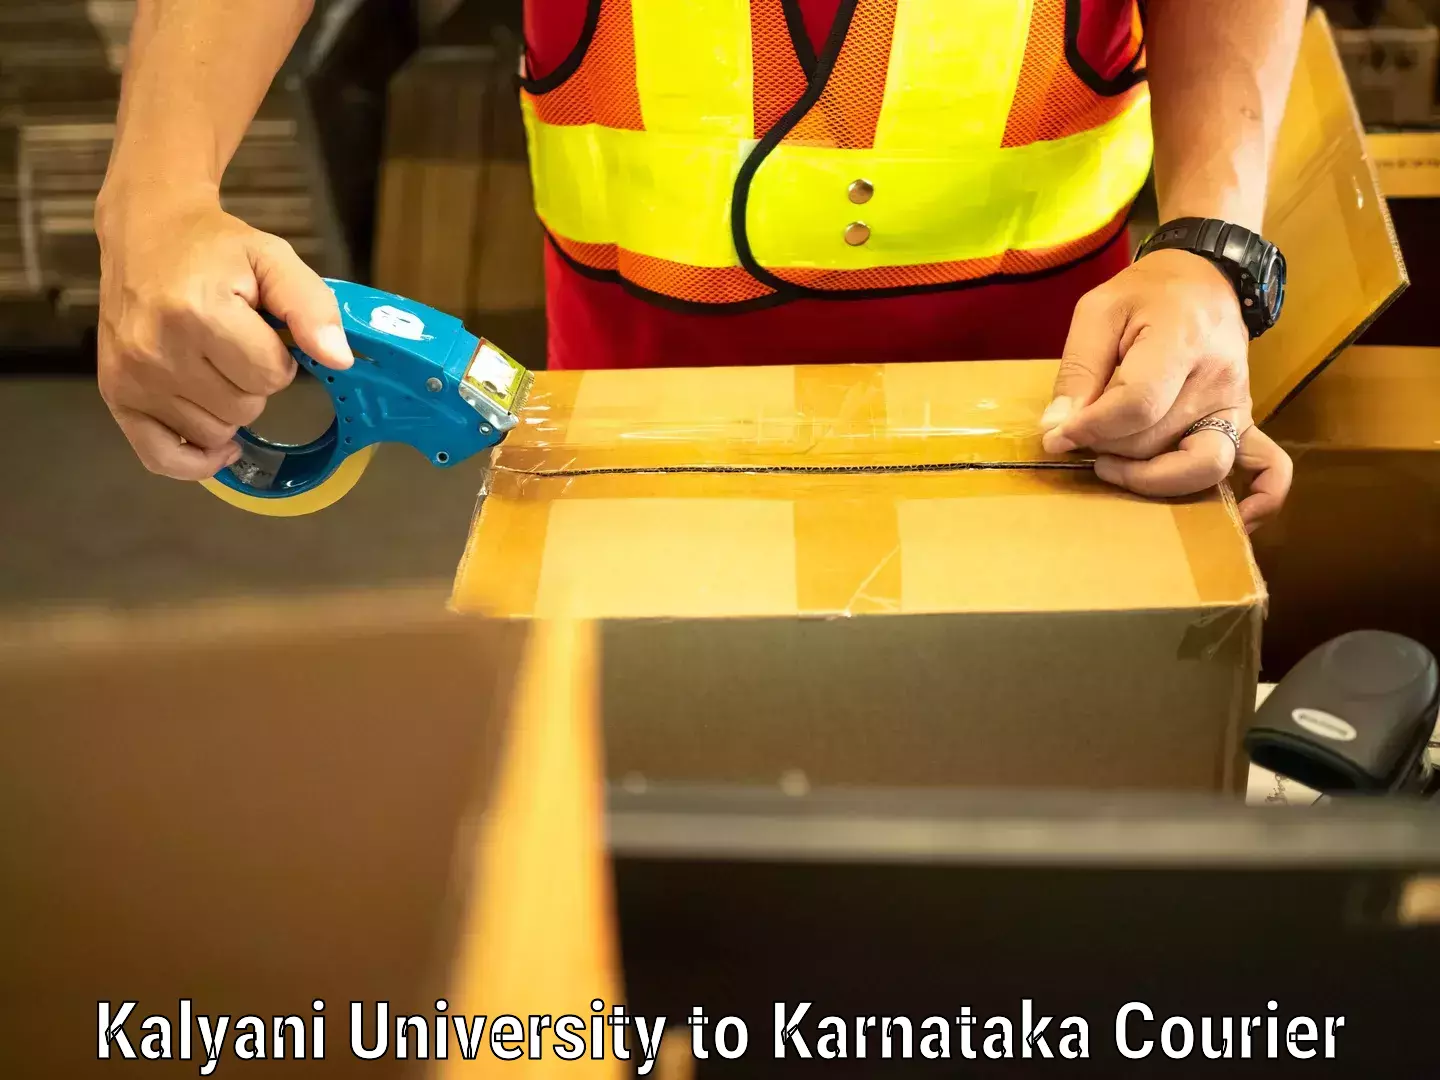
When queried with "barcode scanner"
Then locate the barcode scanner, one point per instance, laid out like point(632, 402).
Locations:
point(1355, 716)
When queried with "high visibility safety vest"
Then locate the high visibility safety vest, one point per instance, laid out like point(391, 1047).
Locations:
point(696, 151)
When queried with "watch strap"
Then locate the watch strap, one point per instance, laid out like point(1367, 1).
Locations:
point(1242, 255)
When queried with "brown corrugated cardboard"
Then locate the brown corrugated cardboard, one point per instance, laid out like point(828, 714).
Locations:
point(537, 935)
point(254, 806)
point(1371, 398)
point(1326, 214)
point(1358, 543)
point(816, 571)
point(874, 574)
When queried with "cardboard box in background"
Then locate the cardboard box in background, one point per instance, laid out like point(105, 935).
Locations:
point(875, 575)
point(255, 805)
point(1325, 212)
point(1409, 167)
point(456, 225)
point(1390, 50)
point(1358, 543)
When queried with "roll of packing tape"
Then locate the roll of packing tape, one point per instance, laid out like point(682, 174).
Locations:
point(326, 493)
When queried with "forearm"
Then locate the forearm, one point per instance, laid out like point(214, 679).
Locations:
point(1219, 74)
point(195, 75)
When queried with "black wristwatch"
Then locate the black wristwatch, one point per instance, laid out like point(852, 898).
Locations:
point(1254, 265)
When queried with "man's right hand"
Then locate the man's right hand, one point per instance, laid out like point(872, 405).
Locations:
point(184, 358)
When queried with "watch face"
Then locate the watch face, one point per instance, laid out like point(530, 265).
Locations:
point(1272, 285)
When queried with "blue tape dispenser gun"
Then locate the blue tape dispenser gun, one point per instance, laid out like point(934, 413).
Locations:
point(420, 378)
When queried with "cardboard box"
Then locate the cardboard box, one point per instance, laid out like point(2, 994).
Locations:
point(256, 806)
point(251, 808)
point(1326, 214)
point(1409, 167)
point(868, 576)
point(1390, 50)
point(875, 575)
point(1358, 543)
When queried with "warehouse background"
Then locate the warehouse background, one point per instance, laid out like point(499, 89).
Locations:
point(391, 118)
point(390, 150)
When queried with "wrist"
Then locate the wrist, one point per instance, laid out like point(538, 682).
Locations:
point(1236, 212)
point(123, 198)
point(1253, 267)
point(1224, 202)
point(1224, 188)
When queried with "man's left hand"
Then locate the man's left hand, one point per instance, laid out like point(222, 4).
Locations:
point(1156, 348)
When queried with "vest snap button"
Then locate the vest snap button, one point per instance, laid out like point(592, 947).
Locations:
point(861, 190)
point(856, 233)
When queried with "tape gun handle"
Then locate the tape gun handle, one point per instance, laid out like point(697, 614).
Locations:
point(333, 380)
point(309, 464)
point(279, 325)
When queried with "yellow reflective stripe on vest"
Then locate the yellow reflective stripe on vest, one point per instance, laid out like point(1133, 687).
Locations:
point(705, 91)
point(933, 208)
point(653, 194)
point(669, 196)
point(928, 102)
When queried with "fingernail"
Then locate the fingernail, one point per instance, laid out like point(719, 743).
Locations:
point(332, 339)
point(1109, 470)
point(1056, 443)
point(1056, 413)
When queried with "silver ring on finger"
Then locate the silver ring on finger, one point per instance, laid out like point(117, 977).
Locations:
point(1215, 423)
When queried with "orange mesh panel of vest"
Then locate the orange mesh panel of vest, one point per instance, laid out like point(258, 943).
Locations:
point(1051, 101)
point(848, 109)
point(595, 256)
point(696, 284)
point(951, 273)
point(779, 79)
point(604, 89)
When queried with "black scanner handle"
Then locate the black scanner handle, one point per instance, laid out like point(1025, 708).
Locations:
point(1355, 716)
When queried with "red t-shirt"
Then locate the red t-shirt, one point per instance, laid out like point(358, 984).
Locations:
point(597, 324)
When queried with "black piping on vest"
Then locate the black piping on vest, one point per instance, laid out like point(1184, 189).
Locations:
point(670, 303)
point(799, 36)
point(572, 61)
point(740, 201)
point(1128, 75)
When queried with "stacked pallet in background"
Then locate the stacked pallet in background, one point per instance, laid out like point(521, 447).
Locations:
point(456, 225)
point(59, 86)
point(53, 68)
point(15, 278)
point(62, 165)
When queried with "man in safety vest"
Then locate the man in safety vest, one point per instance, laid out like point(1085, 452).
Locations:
point(777, 181)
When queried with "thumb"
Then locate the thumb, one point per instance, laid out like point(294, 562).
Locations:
point(1091, 354)
point(299, 297)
